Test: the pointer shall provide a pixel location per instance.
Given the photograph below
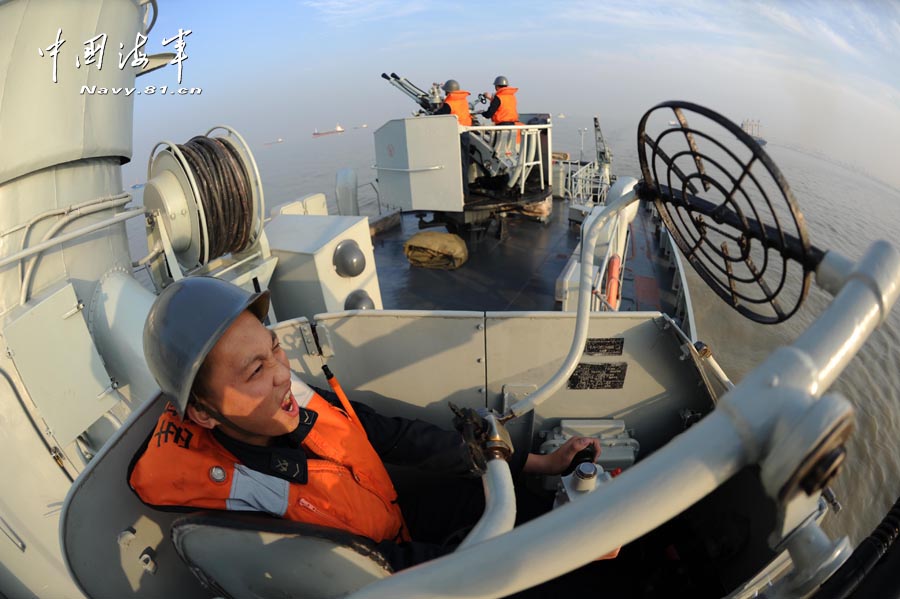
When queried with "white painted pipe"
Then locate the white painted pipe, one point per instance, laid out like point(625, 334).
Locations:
point(862, 304)
point(500, 504)
point(40, 247)
point(56, 228)
point(717, 370)
point(55, 212)
point(590, 232)
point(832, 272)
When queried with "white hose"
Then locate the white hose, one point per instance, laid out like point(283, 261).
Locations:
point(590, 232)
point(500, 504)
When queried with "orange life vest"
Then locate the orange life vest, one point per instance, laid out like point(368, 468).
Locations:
point(507, 113)
point(459, 106)
point(348, 487)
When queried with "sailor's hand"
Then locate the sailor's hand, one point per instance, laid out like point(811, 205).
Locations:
point(470, 425)
point(558, 461)
point(488, 95)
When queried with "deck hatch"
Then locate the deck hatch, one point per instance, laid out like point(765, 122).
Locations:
point(609, 375)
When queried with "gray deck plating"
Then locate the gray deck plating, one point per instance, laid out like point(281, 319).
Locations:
point(520, 272)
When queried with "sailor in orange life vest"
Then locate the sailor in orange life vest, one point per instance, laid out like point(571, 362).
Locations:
point(455, 103)
point(503, 110)
point(242, 433)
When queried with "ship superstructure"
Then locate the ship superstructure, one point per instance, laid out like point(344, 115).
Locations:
point(751, 127)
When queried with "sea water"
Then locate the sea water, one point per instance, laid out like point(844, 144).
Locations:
point(845, 210)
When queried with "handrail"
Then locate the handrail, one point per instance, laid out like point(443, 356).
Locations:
point(505, 127)
point(581, 183)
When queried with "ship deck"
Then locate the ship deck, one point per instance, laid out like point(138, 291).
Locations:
point(519, 272)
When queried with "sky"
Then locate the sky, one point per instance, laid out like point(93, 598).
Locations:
point(823, 76)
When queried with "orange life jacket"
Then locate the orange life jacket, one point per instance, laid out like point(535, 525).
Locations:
point(459, 106)
point(507, 113)
point(347, 487)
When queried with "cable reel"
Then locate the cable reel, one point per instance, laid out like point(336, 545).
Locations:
point(205, 198)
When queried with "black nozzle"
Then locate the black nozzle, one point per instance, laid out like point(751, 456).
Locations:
point(395, 76)
point(384, 76)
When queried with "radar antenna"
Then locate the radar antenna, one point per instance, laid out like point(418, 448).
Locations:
point(728, 208)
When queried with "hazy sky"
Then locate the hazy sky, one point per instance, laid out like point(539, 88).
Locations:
point(822, 75)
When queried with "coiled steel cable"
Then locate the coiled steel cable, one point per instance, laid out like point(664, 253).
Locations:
point(224, 188)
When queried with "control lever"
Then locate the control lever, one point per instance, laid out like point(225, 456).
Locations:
point(588, 454)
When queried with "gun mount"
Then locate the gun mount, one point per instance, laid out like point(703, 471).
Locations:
point(429, 101)
point(466, 176)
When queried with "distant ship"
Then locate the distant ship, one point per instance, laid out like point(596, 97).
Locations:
point(276, 141)
point(363, 126)
point(337, 129)
point(560, 116)
point(751, 127)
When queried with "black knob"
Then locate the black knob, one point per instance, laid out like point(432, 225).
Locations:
point(588, 454)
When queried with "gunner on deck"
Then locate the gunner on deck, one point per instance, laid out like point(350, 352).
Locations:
point(256, 438)
point(503, 110)
point(455, 103)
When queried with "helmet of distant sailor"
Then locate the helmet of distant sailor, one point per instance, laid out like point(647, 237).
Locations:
point(452, 85)
point(184, 324)
point(501, 81)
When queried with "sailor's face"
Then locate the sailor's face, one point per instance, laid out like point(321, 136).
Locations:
point(249, 383)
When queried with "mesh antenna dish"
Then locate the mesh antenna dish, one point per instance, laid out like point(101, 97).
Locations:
point(728, 208)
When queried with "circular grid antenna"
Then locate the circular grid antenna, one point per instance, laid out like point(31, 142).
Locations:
point(728, 208)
